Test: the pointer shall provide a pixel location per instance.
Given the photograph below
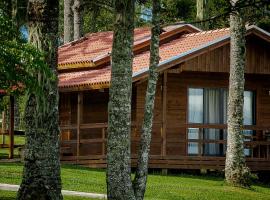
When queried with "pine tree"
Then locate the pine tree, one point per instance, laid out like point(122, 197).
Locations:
point(236, 172)
point(203, 13)
point(119, 185)
point(142, 166)
point(78, 19)
point(41, 174)
point(68, 21)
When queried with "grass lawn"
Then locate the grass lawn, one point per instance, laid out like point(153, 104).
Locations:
point(159, 187)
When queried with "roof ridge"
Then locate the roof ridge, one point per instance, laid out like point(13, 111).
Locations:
point(71, 43)
point(142, 41)
point(206, 32)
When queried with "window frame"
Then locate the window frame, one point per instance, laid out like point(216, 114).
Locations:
point(203, 125)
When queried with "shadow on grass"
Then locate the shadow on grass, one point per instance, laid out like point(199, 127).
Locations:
point(78, 167)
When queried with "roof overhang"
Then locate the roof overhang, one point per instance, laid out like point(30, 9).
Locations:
point(198, 51)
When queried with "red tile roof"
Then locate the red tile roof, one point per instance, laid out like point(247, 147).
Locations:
point(94, 45)
point(99, 78)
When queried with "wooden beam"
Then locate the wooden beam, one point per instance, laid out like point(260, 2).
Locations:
point(164, 113)
point(79, 118)
point(11, 128)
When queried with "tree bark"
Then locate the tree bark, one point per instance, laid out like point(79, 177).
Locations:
point(119, 184)
point(41, 174)
point(236, 172)
point(78, 19)
point(142, 165)
point(203, 13)
point(68, 21)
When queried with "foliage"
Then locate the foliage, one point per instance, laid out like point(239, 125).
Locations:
point(20, 62)
point(178, 10)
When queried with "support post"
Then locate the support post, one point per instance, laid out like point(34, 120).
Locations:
point(79, 113)
point(11, 128)
point(3, 127)
point(103, 141)
point(164, 113)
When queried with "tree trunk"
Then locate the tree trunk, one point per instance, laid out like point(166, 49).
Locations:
point(142, 165)
point(68, 22)
point(203, 13)
point(119, 185)
point(41, 174)
point(78, 19)
point(235, 171)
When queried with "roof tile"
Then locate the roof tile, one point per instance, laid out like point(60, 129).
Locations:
point(141, 61)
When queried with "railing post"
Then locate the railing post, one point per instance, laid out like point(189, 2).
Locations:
point(3, 127)
point(11, 128)
point(103, 141)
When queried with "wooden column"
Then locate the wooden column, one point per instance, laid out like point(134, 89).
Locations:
point(164, 113)
point(103, 141)
point(3, 130)
point(79, 118)
point(11, 128)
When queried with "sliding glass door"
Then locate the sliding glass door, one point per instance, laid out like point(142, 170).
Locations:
point(208, 106)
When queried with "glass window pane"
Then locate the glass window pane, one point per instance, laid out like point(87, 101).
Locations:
point(193, 148)
point(211, 106)
point(248, 108)
point(193, 133)
point(213, 148)
point(248, 137)
point(195, 105)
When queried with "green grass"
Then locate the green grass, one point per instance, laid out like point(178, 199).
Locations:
point(159, 187)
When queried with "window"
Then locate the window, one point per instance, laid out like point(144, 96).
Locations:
point(209, 106)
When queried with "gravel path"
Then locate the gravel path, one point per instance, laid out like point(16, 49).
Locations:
point(9, 187)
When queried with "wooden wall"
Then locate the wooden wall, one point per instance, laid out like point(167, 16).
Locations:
point(177, 87)
point(169, 133)
point(218, 60)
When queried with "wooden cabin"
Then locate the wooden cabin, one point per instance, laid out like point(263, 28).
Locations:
point(189, 130)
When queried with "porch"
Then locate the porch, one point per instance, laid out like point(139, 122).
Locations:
point(90, 149)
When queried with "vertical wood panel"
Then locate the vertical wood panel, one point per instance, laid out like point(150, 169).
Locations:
point(11, 128)
point(79, 117)
point(164, 114)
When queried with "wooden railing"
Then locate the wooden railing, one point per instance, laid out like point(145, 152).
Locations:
point(258, 143)
point(71, 136)
point(72, 140)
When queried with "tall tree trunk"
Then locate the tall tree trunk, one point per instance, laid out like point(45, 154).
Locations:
point(142, 166)
point(41, 174)
point(78, 19)
point(119, 185)
point(68, 21)
point(203, 13)
point(235, 171)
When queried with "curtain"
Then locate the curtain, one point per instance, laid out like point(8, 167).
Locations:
point(195, 105)
point(215, 112)
point(248, 108)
